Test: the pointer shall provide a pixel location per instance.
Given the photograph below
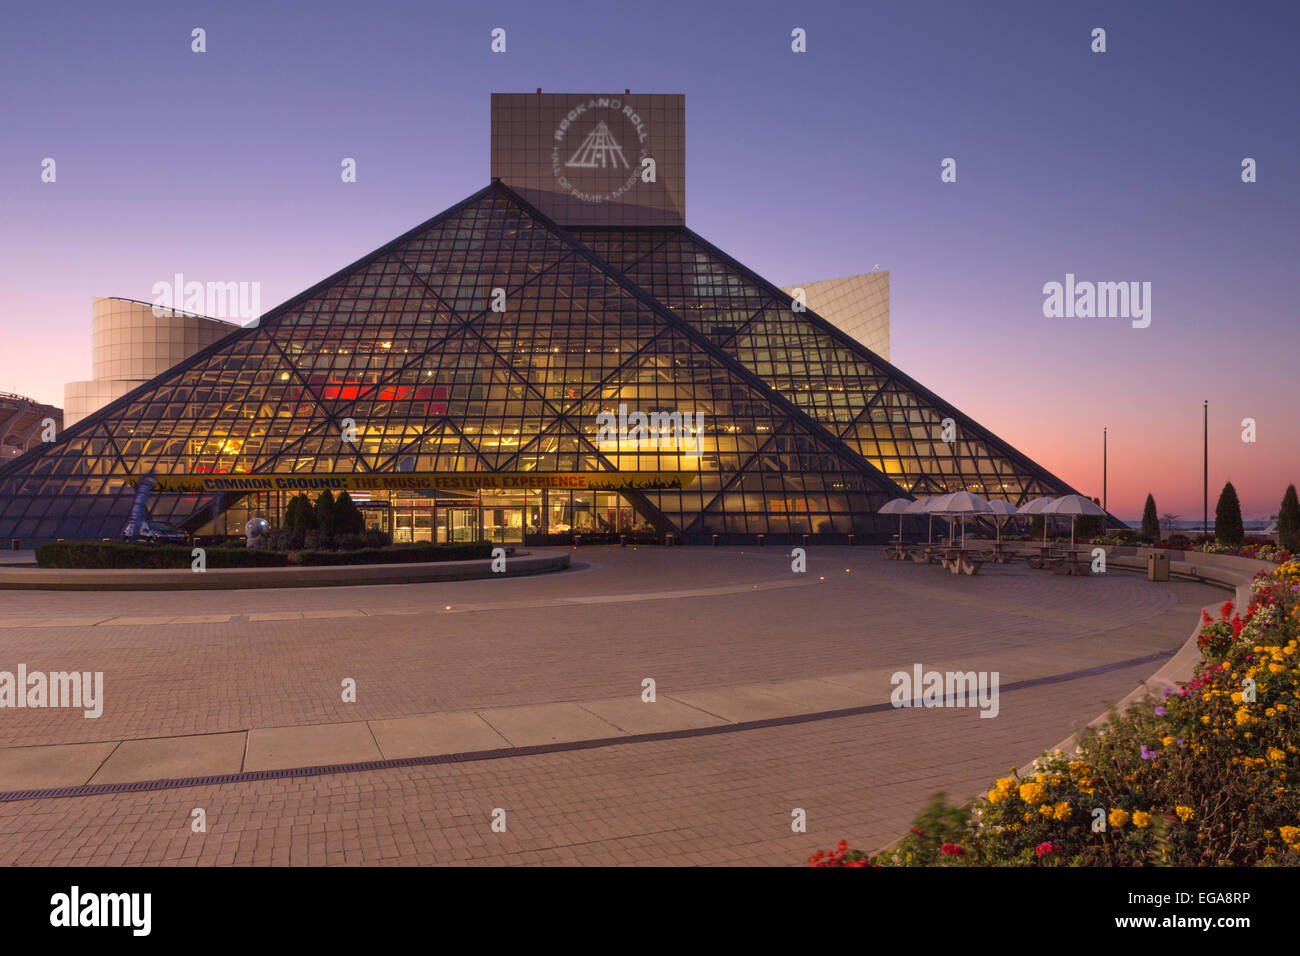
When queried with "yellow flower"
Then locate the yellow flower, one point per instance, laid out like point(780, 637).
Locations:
point(1141, 820)
point(1032, 793)
point(1062, 811)
point(996, 796)
point(1276, 755)
point(1167, 741)
point(1118, 818)
point(1006, 784)
point(1184, 813)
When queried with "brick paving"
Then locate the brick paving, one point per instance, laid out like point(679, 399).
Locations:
point(713, 800)
point(691, 618)
point(526, 646)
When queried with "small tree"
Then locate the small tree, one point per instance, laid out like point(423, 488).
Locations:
point(1150, 523)
point(347, 516)
point(1288, 520)
point(1227, 517)
point(325, 514)
point(300, 516)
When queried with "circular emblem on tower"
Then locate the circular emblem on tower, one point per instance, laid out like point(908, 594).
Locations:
point(597, 149)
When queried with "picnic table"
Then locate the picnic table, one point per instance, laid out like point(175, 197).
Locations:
point(1071, 561)
point(1038, 554)
point(1062, 560)
point(929, 554)
point(962, 560)
point(1001, 554)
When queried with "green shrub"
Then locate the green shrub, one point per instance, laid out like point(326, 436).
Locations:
point(1150, 521)
point(300, 516)
point(403, 554)
point(1227, 517)
point(348, 519)
point(325, 518)
point(1288, 521)
point(112, 555)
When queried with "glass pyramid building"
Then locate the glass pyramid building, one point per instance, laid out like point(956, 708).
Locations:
point(463, 381)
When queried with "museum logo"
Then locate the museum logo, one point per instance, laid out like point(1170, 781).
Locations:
point(589, 151)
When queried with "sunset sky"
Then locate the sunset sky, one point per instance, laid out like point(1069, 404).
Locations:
point(1119, 166)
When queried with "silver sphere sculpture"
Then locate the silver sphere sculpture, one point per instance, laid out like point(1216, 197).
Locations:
point(255, 529)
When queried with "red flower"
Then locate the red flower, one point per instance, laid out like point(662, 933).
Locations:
point(1044, 849)
point(918, 832)
point(952, 849)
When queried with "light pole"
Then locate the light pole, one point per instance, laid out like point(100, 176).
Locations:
point(1103, 470)
point(1205, 478)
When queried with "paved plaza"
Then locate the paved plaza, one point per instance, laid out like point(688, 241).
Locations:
point(747, 657)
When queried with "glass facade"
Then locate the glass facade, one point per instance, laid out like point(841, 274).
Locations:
point(489, 339)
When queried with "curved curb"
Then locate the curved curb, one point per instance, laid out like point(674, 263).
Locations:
point(221, 579)
point(1179, 668)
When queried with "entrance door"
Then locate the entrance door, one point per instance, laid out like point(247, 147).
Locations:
point(462, 524)
point(505, 525)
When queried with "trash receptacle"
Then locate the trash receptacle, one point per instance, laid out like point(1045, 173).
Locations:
point(1157, 566)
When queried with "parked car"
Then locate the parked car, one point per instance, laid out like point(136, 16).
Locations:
point(156, 532)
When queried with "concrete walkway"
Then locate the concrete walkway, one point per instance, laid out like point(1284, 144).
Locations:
point(208, 684)
point(463, 732)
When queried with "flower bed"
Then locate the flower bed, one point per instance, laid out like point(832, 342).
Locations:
point(1206, 776)
point(1257, 550)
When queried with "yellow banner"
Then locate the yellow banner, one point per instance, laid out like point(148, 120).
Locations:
point(461, 481)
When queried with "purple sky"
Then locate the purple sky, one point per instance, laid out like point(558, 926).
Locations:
point(1122, 166)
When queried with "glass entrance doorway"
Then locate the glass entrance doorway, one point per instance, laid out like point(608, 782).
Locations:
point(462, 525)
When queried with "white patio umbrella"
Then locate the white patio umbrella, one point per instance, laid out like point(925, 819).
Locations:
point(1036, 507)
point(922, 506)
point(964, 503)
point(898, 507)
point(1002, 509)
point(1073, 505)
